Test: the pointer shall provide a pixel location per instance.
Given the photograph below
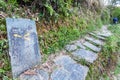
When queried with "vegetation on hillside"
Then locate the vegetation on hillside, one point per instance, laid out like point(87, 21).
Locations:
point(58, 22)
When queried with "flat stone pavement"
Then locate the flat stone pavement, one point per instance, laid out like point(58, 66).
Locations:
point(64, 64)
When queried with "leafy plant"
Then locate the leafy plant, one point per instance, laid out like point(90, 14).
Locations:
point(105, 16)
point(115, 12)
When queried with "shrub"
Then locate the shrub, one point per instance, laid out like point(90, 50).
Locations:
point(116, 13)
point(105, 16)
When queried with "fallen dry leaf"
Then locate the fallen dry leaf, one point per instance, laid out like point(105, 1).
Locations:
point(30, 72)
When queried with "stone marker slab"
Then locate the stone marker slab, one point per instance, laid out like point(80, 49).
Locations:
point(93, 40)
point(91, 46)
point(23, 45)
point(69, 69)
point(89, 56)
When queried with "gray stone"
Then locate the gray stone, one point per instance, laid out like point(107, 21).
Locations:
point(60, 74)
point(97, 36)
point(40, 75)
point(71, 47)
point(91, 46)
point(78, 72)
point(23, 45)
point(79, 44)
point(89, 56)
point(105, 34)
point(69, 69)
point(93, 40)
point(64, 60)
point(104, 31)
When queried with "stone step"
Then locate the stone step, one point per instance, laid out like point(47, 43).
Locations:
point(87, 55)
point(105, 34)
point(97, 36)
point(95, 41)
point(92, 47)
point(68, 70)
point(70, 47)
point(79, 44)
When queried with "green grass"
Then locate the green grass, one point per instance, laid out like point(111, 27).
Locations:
point(116, 30)
point(51, 41)
point(107, 58)
point(4, 58)
point(55, 40)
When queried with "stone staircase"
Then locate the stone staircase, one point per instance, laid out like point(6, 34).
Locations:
point(64, 66)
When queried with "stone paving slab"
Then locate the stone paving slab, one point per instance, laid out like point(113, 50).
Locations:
point(23, 45)
point(97, 36)
point(79, 44)
point(38, 75)
point(68, 70)
point(91, 46)
point(89, 56)
point(70, 47)
point(104, 34)
point(93, 40)
point(63, 60)
point(78, 72)
point(60, 74)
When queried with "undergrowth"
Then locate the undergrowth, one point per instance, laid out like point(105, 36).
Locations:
point(57, 32)
point(55, 40)
point(107, 61)
point(116, 30)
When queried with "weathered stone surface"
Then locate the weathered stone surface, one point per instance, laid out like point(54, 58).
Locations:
point(23, 45)
point(79, 44)
point(91, 46)
point(71, 47)
point(89, 56)
point(104, 31)
point(64, 60)
point(93, 40)
point(78, 72)
point(68, 70)
point(39, 75)
point(60, 74)
point(107, 34)
point(97, 36)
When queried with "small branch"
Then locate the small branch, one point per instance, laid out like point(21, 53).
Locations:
point(2, 16)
